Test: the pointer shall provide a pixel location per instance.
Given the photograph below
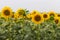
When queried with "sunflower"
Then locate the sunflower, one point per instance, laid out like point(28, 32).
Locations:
point(45, 16)
point(58, 15)
point(34, 12)
point(6, 12)
point(29, 15)
point(52, 13)
point(20, 13)
point(56, 20)
point(37, 18)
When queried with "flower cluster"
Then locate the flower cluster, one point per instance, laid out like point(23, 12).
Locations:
point(25, 25)
point(35, 16)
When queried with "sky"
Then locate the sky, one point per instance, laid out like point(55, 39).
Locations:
point(40, 5)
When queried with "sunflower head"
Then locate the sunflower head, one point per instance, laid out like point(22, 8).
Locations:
point(58, 15)
point(34, 12)
point(20, 12)
point(29, 15)
point(6, 12)
point(52, 13)
point(45, 16)
point(37, 18)
point(56, 20)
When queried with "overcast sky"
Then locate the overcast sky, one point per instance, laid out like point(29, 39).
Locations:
point(40, 5)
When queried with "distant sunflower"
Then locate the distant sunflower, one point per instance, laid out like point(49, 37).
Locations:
point(58, 15)
point(20, 12)
point(52, 13)
point(56, 20)
point(37, 18)
point(34, 12)
point(45, 16)
point(29, 15)
point(6, 12)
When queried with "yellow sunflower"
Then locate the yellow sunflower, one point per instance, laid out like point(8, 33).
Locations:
point(37, 18)
point(29, 15)
point(6, 12)
point(45, 16)
point(58, 15)
point(34, 12)
point(52, 13)
point(20, 12)
point(56, 20)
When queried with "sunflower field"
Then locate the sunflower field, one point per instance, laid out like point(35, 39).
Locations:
point(26, 25)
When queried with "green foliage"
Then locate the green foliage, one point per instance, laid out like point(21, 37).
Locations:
point(23, 29)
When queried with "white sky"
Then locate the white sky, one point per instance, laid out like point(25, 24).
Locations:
point(40, 5)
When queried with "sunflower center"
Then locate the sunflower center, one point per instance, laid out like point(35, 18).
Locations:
point(21, 12)
point(45, 16)
point(7, 12)
point(56, 21)
point(52, 14)
point(58, 15)
point(37, 18)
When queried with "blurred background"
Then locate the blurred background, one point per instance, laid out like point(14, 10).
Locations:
point(40, 5)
